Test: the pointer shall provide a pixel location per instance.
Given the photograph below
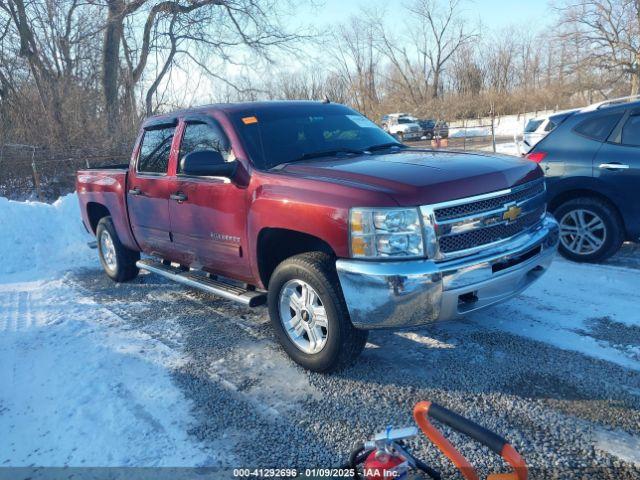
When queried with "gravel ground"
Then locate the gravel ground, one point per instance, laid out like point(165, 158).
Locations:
point(563, 410)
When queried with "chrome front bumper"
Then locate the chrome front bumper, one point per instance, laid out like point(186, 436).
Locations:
point(417, 292)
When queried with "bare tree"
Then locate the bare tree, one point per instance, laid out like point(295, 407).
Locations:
point(181, 29)
point(56, 40)
point(609, 31)
point(442, 32)
point(358, 61)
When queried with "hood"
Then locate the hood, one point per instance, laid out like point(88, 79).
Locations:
point(421, 177)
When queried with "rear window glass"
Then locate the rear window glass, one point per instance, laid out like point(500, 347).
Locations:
point(155, 150)
point(631, 131)
point(532, 125)
point(598, 128)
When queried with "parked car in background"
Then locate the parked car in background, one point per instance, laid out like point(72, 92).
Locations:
point(537, 128)
point(313, 209)
point(402, 126)
point(592, 164)
point(433, 128)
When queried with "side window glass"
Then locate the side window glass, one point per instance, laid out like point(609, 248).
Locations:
point(203, 136)
point(155, 150)
point(631, 131)
point(599, 128)
point(550, 126)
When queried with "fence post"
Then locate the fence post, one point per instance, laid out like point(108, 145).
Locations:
point(464, 135)
point(493, 128)
point(36, 177)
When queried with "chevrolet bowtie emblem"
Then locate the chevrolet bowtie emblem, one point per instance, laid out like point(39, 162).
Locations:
point(512, 213)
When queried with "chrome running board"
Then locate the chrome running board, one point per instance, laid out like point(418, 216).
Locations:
point(199, 280)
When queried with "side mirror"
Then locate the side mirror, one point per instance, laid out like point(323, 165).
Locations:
point(207, 163)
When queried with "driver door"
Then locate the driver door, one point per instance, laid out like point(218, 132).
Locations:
point(208, 214)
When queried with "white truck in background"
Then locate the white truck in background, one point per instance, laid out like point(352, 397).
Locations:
point(402, 126)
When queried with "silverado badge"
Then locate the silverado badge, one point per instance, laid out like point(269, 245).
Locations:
point(512, 213)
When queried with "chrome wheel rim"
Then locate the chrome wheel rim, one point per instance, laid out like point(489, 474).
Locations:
point(582, 232)
point(303, 316)
point(108, 250)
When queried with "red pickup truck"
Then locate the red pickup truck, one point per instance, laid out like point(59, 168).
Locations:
point(313, 209)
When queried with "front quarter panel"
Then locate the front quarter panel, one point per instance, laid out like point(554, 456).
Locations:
point(316, 208)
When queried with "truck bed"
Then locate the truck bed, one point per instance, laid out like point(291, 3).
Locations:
point(105, 187)
point(118, 166)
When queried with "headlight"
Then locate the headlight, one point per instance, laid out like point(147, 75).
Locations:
point(386, 232)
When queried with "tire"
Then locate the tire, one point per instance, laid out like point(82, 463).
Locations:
point(429, 136)
point(400, 136)
point(600, 241)
point(342, 342)
point(118, 262)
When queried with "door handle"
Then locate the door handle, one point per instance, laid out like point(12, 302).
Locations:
point(178, 197)
point(614, 166)
point(135, 191)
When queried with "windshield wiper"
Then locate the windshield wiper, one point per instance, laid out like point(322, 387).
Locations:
point(328, 153)
point(382, 146)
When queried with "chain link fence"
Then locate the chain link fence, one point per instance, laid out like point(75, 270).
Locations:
point(32, 172)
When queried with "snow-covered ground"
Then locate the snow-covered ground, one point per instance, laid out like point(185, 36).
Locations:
point(80, 389)
point(82, 384)
point(505, 125)
point(77, 386)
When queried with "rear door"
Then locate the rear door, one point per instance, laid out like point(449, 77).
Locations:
point(209, 216)
point(618, 165)
point(149, 188)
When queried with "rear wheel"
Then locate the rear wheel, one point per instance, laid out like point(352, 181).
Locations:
point(118, 262)
point(590, 230)
point(309, 314)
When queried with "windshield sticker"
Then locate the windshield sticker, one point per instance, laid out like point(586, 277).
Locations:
point(362, 121)
point(249, 120)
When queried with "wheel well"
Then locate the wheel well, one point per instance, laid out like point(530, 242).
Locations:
point(95, 212)
point(571, 194)
point(277, 244)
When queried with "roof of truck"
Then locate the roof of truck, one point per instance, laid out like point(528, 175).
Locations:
point(170, 117)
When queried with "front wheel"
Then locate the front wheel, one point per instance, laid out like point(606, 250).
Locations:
point(118, 262)
point(590, 230)
point(309, 314)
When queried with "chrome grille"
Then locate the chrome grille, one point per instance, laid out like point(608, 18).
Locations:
point(517, 194)
point(466, 226)
point(483, 236)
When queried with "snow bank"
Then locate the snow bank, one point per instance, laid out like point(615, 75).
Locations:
point(505, 125)
point(40, 238)
point(469, 132)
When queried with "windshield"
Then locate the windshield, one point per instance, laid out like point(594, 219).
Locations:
point(406, 120)
point(532, 125)
point(278, 135)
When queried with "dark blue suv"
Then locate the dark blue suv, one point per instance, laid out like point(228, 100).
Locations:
point(592, 164)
